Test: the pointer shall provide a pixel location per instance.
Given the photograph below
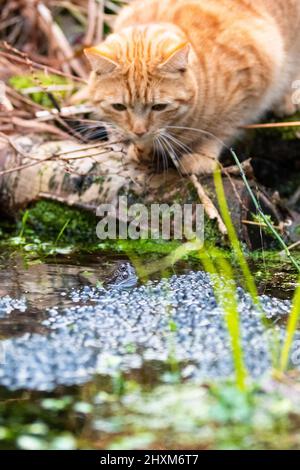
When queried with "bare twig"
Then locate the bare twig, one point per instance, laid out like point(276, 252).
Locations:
point(92, 22)
point(100, 22)
point(208, 205)
point(23, 59)
point(270, 125)
point(234, 170)
point(291, 247)
point(59, 38)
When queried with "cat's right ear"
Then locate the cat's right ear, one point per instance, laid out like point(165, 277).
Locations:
point(177, 60)
point(100, 62)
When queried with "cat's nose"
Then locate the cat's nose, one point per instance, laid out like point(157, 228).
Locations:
point(139, 129)
point(140, 133)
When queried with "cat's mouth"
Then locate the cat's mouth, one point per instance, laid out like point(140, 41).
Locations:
point(141, 139)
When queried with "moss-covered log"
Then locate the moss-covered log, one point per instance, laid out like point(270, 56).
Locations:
point(85, 176)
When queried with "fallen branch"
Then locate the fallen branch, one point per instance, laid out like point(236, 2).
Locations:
point(88, 175)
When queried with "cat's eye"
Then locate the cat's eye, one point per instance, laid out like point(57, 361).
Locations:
point(119, 106)
point(159, 107)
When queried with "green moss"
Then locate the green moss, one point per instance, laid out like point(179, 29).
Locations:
point(49, 228)
point(52, 228)
point(47, 218)
point(22, 82)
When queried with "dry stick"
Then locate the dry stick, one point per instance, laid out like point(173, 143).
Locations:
point(18, 96)
point(39, 126)
point(291, 247)
point(100, 22)
point(28, 165)
point(6, 128)
point(258, 224)
point(36, 65)
point(65, 112)
point(33, 125)
point(54, 156)
point(59, 38)
point(10, 141)
point(105, 151)
point(208, 205)
point(88, 147)
point(4, 100)
point(228, 174)
point(92, 22)
point(40, 161)
point(234, 170)
point(271, 125)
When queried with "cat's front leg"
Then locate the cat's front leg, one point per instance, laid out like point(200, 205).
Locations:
point(132, 153)
point(203, 160)
point(139, 153)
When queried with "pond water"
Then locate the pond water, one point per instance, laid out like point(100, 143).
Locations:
point(62, 331)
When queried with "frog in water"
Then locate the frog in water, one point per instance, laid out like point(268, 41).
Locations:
point(123, 277)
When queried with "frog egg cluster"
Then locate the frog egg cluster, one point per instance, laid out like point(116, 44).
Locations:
point(8, 305)
point(106, 331)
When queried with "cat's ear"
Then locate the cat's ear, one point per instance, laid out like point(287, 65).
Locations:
point(177, 60)
point(100, 62)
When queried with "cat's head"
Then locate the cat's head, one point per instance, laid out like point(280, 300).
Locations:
point(142, 80)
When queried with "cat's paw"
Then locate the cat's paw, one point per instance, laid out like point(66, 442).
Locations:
point(139, 154)
point(132, 153)
point(197, 164)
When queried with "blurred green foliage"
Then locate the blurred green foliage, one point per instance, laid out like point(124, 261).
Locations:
point(41, 80)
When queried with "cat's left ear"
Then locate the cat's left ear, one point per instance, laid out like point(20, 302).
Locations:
point(100, 62)
point(177, 61)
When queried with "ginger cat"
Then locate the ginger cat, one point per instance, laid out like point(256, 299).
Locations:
point(175, 68)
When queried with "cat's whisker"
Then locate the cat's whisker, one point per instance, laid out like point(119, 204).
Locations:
point(155, 153)
point(173, 155)
point(164, 155)
point(185, 149)
point(200, 131)
point(84, 128)
point(176, 141)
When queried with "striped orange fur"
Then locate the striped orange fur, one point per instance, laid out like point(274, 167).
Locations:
point(184, 75)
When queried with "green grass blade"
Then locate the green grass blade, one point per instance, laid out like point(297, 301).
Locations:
point(225, 292)
point(263, 216)
point(249, 281)
point(23, 223)
point(62, 231)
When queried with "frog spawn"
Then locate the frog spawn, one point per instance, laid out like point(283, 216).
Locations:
point(111, 330)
